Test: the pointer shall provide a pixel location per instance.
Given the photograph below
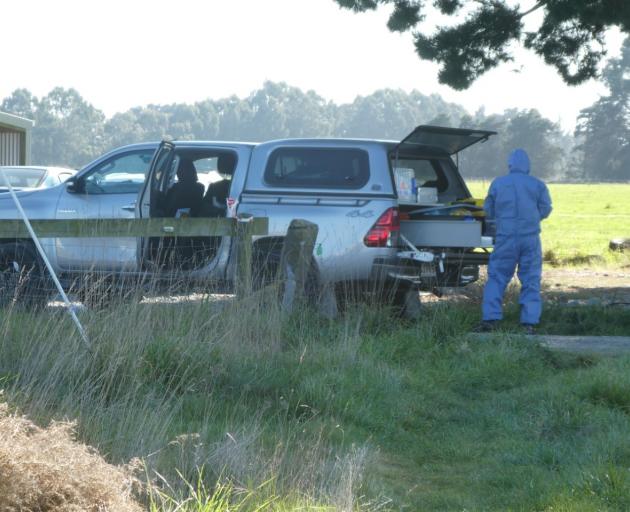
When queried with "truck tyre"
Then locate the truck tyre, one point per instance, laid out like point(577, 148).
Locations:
point(23, 279)
point(404, 301)
point(410, 304)
point(265, 264)
point(619, 244)
point(266, 271)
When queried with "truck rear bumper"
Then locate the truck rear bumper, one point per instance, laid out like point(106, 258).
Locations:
point(450, 269)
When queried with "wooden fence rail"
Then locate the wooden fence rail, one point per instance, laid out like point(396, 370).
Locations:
point(106, 228)
point(242, 230)
point(295, 260)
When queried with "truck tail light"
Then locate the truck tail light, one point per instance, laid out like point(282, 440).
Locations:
point(384, 233)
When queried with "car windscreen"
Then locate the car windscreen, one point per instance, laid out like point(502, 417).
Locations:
point(327, 168)
point(24, 178)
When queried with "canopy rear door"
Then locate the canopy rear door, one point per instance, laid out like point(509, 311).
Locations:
point(451, 140)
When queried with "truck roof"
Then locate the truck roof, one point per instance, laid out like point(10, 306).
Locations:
point(389, 145)
point(202, 143)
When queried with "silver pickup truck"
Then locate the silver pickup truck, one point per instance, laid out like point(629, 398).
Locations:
point(391, 215)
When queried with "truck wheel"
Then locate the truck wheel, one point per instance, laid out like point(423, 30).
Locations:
point(409, 302)
point(619, 244)
point(404, 300)
point(23, 280)
point(265, 266)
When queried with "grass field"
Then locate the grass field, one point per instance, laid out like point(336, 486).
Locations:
point(351, 414)
point(366, 412)
point(584, 220)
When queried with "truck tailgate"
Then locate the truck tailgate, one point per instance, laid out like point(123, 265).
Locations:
point(444, 231)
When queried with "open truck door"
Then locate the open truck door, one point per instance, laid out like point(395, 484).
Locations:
point(146, 205)
point(214, 165)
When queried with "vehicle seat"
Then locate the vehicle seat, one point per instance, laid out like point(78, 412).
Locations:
point(186, 193)
point(214, 201)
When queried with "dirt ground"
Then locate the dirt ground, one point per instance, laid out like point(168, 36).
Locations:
point(606, 285)
point(567, 285)
point(571, 286)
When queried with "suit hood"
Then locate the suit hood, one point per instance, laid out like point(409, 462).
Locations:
point(519, 161)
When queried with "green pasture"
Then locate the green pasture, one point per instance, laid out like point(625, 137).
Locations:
point(584, 220)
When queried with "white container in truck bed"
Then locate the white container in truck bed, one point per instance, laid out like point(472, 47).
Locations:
point(442, 232)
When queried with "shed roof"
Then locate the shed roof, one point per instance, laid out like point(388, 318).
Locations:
point(15, 121)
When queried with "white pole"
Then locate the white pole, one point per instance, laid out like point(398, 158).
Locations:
point(42, 253)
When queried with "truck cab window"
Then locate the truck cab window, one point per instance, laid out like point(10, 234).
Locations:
point(119, 175)
point(321, 168)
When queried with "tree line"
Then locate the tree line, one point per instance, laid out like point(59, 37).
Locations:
point(70, 131)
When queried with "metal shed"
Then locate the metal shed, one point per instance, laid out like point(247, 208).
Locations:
point(15, 140)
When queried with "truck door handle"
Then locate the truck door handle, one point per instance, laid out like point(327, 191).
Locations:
point(130, 207)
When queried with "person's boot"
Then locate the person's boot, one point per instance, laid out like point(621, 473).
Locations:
point(486, 326)
point(529, 329)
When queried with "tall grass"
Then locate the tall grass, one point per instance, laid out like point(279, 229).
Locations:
point(234, 405)
point(202, 383)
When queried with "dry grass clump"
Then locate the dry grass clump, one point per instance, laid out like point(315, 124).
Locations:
point(47, 470)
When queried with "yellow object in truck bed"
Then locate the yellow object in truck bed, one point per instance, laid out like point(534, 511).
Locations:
point(475, 201)
point(472, 201)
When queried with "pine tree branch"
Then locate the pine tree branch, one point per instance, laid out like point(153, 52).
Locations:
point(540, 4)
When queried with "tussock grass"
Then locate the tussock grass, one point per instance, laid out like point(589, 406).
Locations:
point(46, 470)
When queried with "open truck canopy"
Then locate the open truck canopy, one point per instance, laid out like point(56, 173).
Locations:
point(451, 140)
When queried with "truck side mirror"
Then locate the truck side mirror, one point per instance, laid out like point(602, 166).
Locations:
point(76, 185)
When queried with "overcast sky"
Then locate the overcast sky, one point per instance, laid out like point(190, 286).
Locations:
point(124, 53)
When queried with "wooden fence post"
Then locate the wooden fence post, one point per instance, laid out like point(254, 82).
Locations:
point(295, 260)
point(244, 229)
